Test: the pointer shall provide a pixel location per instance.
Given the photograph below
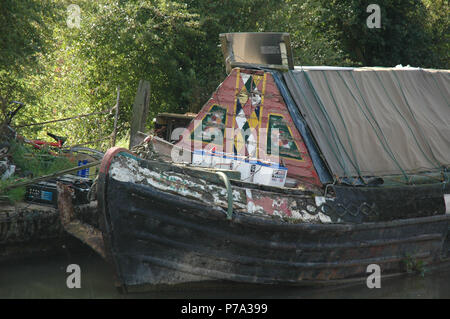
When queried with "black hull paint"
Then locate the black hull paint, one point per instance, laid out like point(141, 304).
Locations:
point(159, 238)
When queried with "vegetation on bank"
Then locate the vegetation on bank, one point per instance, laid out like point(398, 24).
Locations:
point(30, 162)
point(61, 71)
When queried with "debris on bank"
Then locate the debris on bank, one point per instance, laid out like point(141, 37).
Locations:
point(29, 218)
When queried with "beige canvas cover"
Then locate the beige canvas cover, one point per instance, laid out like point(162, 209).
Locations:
point(376, 121)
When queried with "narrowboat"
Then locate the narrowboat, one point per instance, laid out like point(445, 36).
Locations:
point(287, 175)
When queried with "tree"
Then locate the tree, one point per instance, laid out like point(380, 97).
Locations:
point(174, 44)
point(404, 36)
point(24, 37)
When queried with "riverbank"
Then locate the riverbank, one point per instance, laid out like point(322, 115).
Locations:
point(27, 229)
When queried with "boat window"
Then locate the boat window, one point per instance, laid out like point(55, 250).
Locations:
point(212, 127)
point(287, 146)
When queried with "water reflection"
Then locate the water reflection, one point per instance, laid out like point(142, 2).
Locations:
point(45, 277)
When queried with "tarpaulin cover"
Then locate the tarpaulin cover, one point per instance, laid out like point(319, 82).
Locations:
point(376, 121)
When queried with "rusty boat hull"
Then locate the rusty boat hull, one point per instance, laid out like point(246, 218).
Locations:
point(156, 237)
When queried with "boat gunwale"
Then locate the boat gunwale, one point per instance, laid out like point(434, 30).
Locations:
point(261, 221)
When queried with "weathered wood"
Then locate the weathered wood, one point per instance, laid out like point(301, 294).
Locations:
point(28, 229)
point(139, 137)
point(203, 184)
point(25, 222)
point(88, 234)
point(140, 111)
point(116, 116)
point(165, 150)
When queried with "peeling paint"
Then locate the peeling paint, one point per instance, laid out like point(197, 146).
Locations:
point(252, 201)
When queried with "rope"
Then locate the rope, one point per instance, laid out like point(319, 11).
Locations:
point(87, 143)
point(69, 118)
point(46, 177)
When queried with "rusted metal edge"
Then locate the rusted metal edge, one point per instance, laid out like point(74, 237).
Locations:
point(225, 179)
point(104, 222)
point(88, 234)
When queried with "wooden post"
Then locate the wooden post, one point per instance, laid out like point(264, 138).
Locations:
point(140, 111)
point(113, 142)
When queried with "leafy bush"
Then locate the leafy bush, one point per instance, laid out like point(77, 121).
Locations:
point(60, 71)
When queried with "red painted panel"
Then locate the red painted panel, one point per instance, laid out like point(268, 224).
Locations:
point(251, 99)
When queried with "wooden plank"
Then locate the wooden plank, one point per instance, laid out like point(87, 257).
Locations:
point(140, 111)
point(116, 116)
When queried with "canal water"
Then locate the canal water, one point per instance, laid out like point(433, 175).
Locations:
point(45, 277)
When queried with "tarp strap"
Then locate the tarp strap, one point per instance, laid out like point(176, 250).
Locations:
point(403, 118)
point(330, 123)
point(384, 144)
point(355, 164)
point(415, 120)
point(320, 165)
point(439, 88)
point(338, 157)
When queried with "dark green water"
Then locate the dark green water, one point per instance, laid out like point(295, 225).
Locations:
point(45, 277)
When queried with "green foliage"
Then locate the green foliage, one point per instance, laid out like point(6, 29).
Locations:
point(412, 265)
point(13, 195)
point(37, 162)
point(437, 23)
point(402, 39)
point(25, 36)
point(31, 162)
point(61, 72)
point(128, 41)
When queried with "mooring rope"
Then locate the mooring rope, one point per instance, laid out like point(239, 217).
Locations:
point(69, 118)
